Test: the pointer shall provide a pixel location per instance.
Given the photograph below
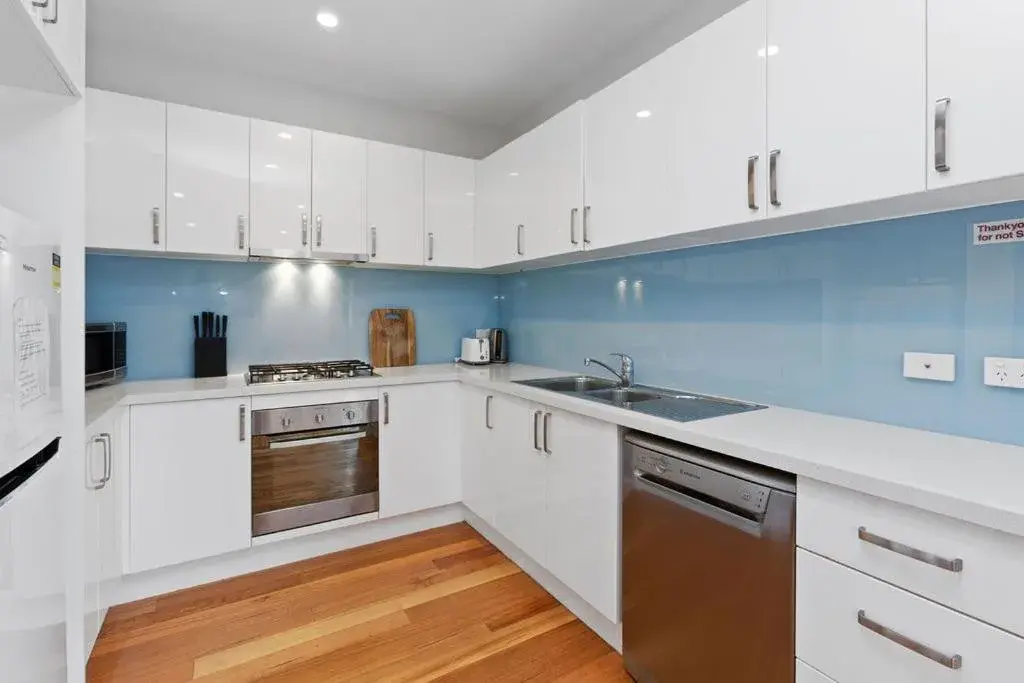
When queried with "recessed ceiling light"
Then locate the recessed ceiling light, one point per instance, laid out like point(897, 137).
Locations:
point(644, 114)
point(284, 135)
point(327, 19)
point(271, 166)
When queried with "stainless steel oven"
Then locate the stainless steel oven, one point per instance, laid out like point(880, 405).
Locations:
point(106, 353)
point(313, 464)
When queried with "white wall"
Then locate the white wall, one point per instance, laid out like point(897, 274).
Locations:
point(128, 71)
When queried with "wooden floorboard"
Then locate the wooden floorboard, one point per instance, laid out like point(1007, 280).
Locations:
point(441, 605)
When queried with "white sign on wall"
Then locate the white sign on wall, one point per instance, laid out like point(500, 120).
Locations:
point(1003, 232)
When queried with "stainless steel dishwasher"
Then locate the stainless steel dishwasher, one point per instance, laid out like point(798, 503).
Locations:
point(708, 566)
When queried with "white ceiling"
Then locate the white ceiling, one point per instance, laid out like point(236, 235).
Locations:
point(484, 62)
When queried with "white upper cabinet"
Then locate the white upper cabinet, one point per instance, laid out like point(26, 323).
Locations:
point(125, 173)
point(632, 168)
point(42, 45)
point(207, 182)
point(845, 87)
point(394, 204)
point(339, 195)
point(279, 176)
point(500, 218)
point(975, 107)
point(720, 136)
point(449, 211)
point(551, 179)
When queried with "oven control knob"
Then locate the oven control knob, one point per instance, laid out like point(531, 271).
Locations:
point(319, 418)
point(351, 415)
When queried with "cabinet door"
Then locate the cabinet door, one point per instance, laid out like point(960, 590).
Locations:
point(190, 481)
point(109, 511)
point(520, 468)
point(500, 231)
point(419, 448)
point(720, 94)
point(94, 476)
point(394, 204)
point(449, 211)
point(125, 172)
point(583, 507)
point(972, 54)
point(552, 180)
point(846, 120)
point(280, 193)
point(339, 195)
point(632, 177)
point(207, 182)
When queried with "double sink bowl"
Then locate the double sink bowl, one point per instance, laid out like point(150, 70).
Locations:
point(665, 403)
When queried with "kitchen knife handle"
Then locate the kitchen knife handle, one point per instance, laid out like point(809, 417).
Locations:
point(216, 326)
point(224, 327)
point(195, 325)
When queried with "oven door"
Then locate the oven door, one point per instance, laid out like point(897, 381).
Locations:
point(310, 477)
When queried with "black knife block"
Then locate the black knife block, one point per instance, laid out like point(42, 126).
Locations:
point(211, 357)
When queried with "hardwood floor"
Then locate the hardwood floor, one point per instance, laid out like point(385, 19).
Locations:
point(441, 605)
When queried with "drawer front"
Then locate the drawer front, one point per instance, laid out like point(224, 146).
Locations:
point(838, 608)
point(806, 674)
point(829, 522)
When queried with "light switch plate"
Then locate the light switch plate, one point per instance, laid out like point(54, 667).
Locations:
point(939, 367)
point(1004, 372)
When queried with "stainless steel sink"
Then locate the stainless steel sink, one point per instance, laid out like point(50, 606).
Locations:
point(624, 397)
point(575, 385)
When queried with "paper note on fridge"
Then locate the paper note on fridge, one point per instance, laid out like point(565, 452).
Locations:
point(31, 352)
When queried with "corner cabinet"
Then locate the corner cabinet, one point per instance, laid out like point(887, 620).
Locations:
point(419, 448)
point(190, 481)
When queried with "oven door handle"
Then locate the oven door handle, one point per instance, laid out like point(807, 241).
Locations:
point(299, 443)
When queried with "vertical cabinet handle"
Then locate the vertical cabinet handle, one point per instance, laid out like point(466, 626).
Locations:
point(536, 429)
point(572, 225)
point(108, 457)
point(373, 242)
point(752, 182)
point(547, 433)
point(91, 482)
point(941, 120)
point(44, 5)
point(241, 231)
point(487, 412)
point(954, 662)
point(241, 422)
point(305, 229)
point(430, 246)
point(519, 240)
point(156, 225)
point(387, 408)
point(773, 177)
point(586, 225)
point(319, 230)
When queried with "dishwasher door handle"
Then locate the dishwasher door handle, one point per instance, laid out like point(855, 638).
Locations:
point(698, 506)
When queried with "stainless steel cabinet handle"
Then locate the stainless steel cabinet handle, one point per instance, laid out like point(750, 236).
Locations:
point(955, 565)
point(430, 246)
point(773, 177)
point(950, 662)
point(241, 422)
point(305, 229)
point(44, 5)
point(487, 412)
point(373, 242)
point(91, 482)
point(752, 182)
point(536, 429)
point(387, 408)
point(547, 433)
point(941, 121)
point(319, 230)
point(41, 5)
point(519, 240)
point(241, 231)
point(108, 457)
point(156, 225)
point(572, 225)
point(586, 225)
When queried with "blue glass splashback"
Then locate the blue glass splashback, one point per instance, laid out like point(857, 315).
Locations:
point(278, 312)
point(816, 320)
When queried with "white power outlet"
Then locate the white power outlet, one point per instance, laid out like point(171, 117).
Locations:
point(938, 367)
point(1004, 372)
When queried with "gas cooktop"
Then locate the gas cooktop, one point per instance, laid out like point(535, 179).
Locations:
point(308, 372)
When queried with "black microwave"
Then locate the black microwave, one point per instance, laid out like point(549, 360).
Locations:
point(106, 353)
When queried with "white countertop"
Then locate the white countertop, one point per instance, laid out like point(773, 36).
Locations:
point(977, 481)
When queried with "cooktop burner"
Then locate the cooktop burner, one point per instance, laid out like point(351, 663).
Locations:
point(308, 372)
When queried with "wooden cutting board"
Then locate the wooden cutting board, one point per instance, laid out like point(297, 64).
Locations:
point(392, 337)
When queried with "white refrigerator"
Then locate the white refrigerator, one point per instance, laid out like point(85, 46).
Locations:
point(33, 488)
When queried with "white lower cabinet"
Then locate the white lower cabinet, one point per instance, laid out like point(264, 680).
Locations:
point(807, 674)
point(419, 448)
point(857, 629)
point(190, 481)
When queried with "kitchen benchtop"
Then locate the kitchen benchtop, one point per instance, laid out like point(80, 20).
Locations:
point(977, 481)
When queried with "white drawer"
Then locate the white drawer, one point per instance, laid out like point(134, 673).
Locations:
point(805, 674)
point(830, 637)
point(987, 586)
